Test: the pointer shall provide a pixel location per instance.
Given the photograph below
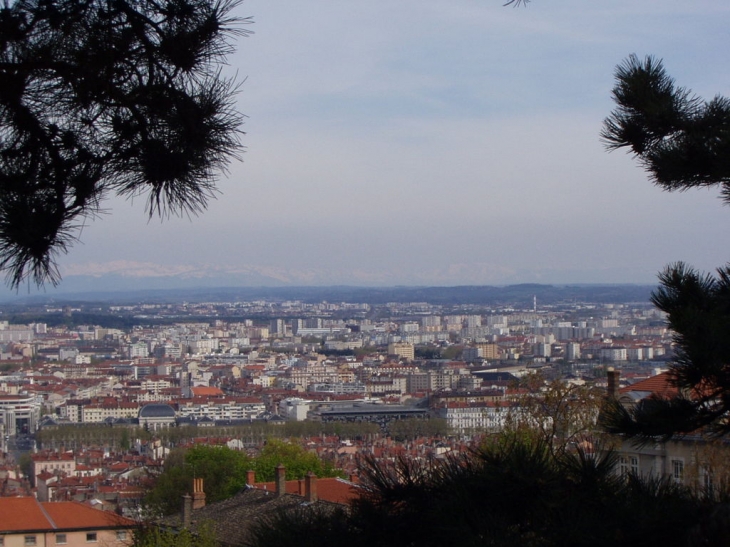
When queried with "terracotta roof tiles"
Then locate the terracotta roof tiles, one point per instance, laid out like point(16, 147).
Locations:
point(28, 514)
point(657, 385)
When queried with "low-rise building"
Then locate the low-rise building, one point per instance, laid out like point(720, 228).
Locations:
point(26, 522)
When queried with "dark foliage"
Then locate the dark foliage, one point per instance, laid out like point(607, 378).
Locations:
point(309, 526)
point(683, 141)
point(511, 492)
point(698, 311)
point(107, 96)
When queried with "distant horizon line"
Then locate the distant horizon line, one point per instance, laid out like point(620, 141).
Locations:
point(285, 291)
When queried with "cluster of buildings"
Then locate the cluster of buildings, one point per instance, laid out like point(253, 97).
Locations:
point(289, 367)
point(336, 364)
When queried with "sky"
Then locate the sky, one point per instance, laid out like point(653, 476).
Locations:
point(436, 143)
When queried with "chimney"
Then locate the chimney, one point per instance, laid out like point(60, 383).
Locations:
point(354, 478)
point(280, 480)
point(187, 512)
point(612, 377)
point(310, 487)
point(250, 477)
point(198, 494)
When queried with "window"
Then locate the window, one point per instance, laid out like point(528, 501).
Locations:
point(2, 541)
point(628, 465)
point(706, 480)
point(678, 471)
point(91, 537)
point(623, 466)
point(60, 539)
point(634, 463)
point(121, 535)
point(29, 540)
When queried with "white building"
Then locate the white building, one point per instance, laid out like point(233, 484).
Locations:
point(466, 417)
point(20, 413)
point(294, 408)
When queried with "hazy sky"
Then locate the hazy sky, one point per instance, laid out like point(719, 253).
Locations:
point(440, 142)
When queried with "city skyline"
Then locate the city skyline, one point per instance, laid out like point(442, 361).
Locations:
point(426, 143)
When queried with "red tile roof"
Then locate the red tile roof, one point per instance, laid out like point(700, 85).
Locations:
point(28, 514)
point(658, 385)
point(20, 514)
point(334, 490)
point(68, 515)
point(203, 391)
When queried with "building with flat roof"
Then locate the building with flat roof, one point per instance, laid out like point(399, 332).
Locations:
point(402, 350)
point(20, 413)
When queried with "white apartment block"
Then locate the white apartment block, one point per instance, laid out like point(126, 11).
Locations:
point(614, 354)
point(228, 409)
point(294, 408)
point(154, 384)
point(20, 413)
point(465, 417)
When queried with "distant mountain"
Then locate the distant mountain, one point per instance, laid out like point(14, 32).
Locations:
point(135, 281)
point(520, 296)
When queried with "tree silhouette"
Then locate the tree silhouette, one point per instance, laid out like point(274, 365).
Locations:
point(107, 96)
point(681, 140)
point(698, 311)
point(514, 491)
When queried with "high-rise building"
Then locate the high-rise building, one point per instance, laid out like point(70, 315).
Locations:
point(277, 327)
point(572, 351)
point(488, 351)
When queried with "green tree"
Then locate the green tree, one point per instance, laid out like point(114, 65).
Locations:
point(26, 464)
point(223, 472)
point(103, 97)
point(411, 428)
point(124, 442)
point(451, 352)
point(297, 460)
point(426, 352)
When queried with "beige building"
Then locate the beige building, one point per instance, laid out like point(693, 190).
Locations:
point(694, 460)
point(54, 463)
point(488, 351)
point(406, 351)
point(26, 522)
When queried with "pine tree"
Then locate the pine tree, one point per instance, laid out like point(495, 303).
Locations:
point(698, 312)
point(683, 142)
point(107, 96)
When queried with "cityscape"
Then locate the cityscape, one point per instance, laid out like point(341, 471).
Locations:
point(94, 413)
point(431, 376)
point(404, 279)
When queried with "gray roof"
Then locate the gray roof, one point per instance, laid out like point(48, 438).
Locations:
point(373, 409)
point(231, 520)
point(157, 411)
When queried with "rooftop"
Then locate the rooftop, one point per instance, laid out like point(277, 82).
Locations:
point(28, 514)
